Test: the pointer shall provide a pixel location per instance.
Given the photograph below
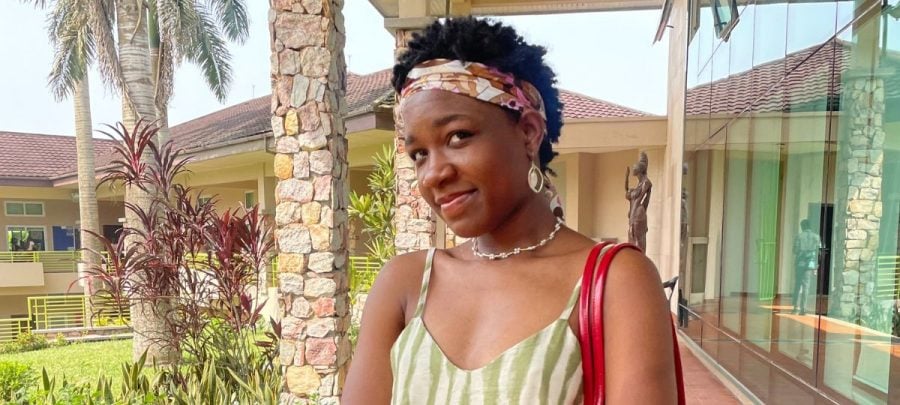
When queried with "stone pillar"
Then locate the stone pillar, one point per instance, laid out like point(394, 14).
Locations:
point(863, 102)
point(413, 218)
point(308, 77)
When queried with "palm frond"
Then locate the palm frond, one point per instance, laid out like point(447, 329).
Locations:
point(208, 50)
point(232, 16)
point(101, 20)
point(73, 44)
point(40, 4)
point(175, 20)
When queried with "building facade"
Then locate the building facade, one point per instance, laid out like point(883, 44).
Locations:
point(789, 255)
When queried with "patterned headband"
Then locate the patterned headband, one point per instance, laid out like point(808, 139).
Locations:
point(472, 79)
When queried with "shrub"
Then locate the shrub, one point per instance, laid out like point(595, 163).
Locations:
point(60, 340)
point(376, 210)
point(228, 376)
point(15, 379)
point(193, 268)
point(25, 342)
point(28, 341)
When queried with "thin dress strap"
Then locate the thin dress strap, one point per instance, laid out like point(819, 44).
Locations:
point(426, 277)
point(573, 299)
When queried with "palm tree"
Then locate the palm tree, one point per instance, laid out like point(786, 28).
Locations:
point(140, 65)
point(74, 46)
point(194, 33)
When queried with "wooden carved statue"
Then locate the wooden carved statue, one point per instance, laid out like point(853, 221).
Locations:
point(638, 199)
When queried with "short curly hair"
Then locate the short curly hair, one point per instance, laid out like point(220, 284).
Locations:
point(489, 42)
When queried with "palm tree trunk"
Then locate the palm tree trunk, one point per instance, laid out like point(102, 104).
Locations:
point(147, 319)
point(162, 108)
point(87, 183)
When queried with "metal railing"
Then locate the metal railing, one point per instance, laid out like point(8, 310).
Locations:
point(12, 327)
point(363, 271)
point(272, 279)
point(73, 311)
point(54, 262)
point(887, 278)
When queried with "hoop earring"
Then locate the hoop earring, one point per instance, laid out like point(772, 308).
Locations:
point(535, 178)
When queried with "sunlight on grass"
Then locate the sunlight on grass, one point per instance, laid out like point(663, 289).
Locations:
point(80, 362)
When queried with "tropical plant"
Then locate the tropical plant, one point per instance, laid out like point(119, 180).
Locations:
point(153, 38)
point(375, 210)
point(73, 42)
point(25, 342)
point(216, 381)
point(15, 378)
point(195, 268)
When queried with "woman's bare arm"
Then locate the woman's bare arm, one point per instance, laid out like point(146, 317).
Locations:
point(370, 378)
point(639, 351)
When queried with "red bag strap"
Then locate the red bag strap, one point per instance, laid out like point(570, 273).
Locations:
point(584, 330)
point(590, 324)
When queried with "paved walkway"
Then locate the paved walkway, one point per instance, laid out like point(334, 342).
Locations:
point(701, 387)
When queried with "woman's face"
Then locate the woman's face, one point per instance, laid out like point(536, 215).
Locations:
point(471, 158)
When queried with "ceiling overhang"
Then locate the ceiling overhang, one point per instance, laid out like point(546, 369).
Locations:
point(391, 9)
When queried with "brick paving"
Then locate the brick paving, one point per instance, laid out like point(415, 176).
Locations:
point(701, 387)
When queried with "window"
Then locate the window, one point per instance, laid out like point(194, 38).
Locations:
point(249, 199)
point(21, 238)
point(24, 209)
point(725, 15)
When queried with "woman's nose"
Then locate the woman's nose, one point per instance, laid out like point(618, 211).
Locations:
point(435, 172)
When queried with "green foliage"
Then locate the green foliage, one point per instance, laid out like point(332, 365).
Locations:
point(25, 342)
point(237, 369)
point(107, 321)
point(375, 210)
point(883, 317)
point(15, 378)
point(79, 362)
point(60, 340)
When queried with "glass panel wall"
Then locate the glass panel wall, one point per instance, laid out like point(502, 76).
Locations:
point(790, 260)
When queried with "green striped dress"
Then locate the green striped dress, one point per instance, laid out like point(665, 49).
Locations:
point(545, 368)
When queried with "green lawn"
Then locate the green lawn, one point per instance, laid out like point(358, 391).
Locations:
point(80, 362)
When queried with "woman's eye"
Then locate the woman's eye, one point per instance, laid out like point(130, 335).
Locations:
point(459, 135)
point(417, 155)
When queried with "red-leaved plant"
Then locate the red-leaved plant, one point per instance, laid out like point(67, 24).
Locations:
point(199, 272)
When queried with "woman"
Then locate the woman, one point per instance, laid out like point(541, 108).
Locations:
point(492, 321)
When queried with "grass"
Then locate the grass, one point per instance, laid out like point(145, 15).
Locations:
point(79, 362)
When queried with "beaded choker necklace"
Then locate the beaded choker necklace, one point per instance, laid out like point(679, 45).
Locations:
point(504, 255)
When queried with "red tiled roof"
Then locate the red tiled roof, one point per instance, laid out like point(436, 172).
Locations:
point(364, 90)
point(241, 121)
point(802, 77)
point(252, 118)
point(577, 106)
point(39, 156)
point(244, 121)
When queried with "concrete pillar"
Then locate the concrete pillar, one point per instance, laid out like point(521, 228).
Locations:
point(265, 191)
point(308, 76)
point(670, 241)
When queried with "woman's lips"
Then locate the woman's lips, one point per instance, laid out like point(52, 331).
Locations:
point(453, 204)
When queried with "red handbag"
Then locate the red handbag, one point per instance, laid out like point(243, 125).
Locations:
point(590, 324)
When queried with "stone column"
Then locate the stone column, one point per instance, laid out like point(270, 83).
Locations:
point(863, 102)
point(413, 218)
point(308, 76)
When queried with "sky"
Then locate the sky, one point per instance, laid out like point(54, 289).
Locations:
point(603, 55)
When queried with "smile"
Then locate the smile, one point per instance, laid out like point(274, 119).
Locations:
point(453, 204)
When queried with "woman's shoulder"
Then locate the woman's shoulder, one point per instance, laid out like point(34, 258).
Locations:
point(400, 279)
point(633, 274)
